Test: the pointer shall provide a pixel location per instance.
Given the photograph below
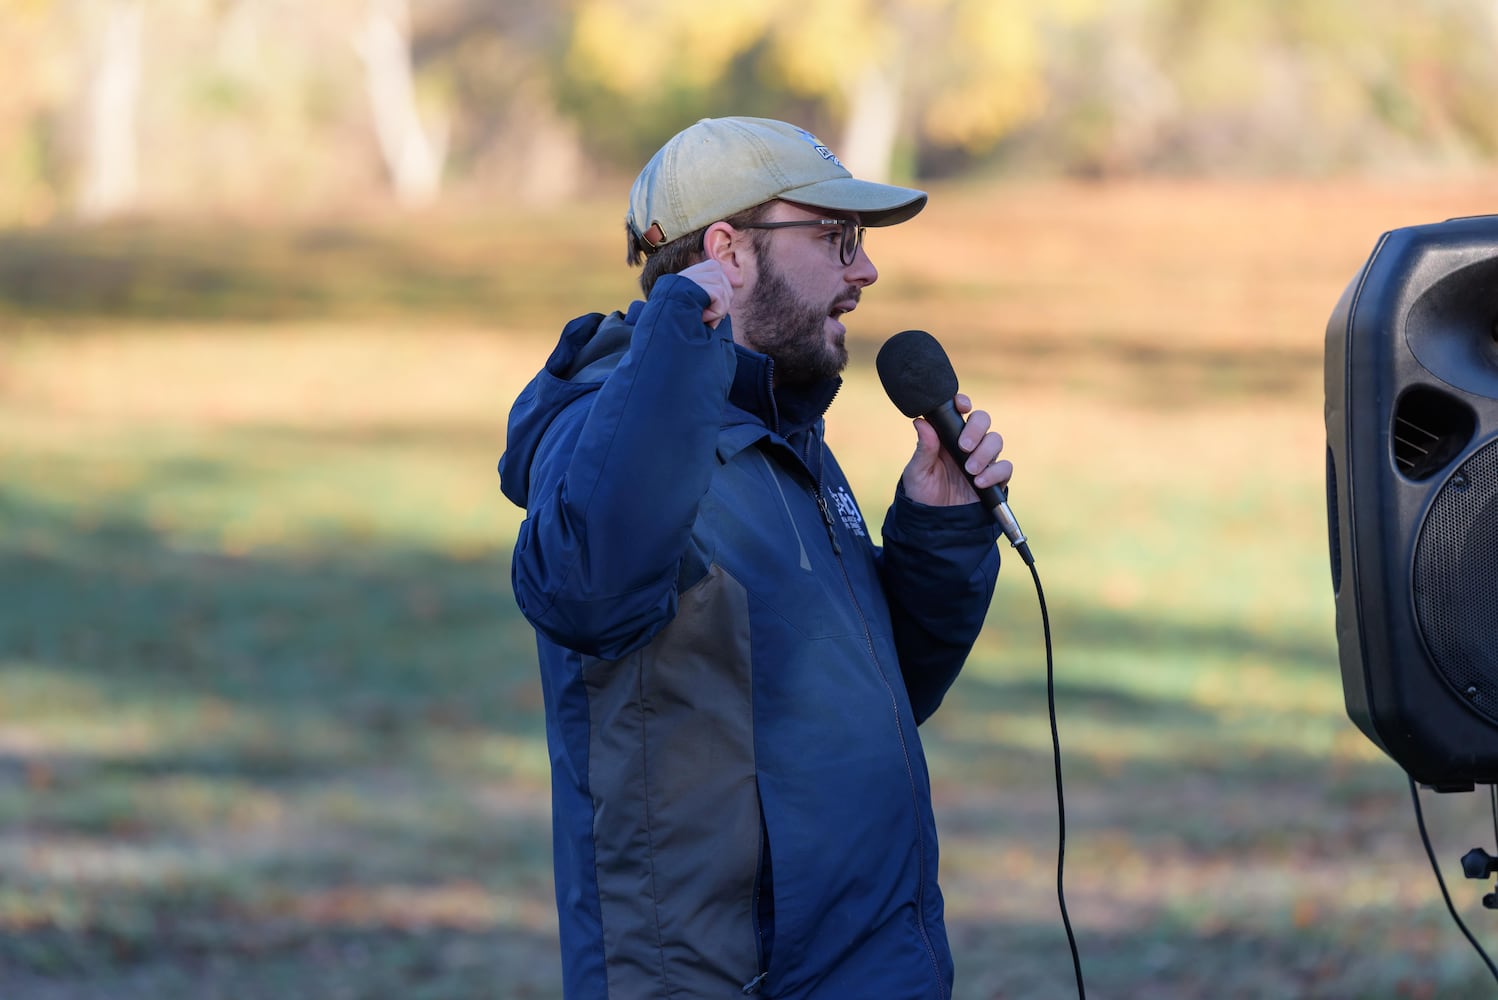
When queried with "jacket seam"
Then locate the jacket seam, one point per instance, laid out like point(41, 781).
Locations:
point(655, 896)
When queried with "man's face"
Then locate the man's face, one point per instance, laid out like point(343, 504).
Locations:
point(791, 308)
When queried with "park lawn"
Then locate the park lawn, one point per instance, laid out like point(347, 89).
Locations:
point(270, 724)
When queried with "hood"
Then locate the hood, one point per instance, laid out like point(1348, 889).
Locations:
point(590, 348)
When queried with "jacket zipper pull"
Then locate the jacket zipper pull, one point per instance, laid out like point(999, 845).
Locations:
point(827, 519)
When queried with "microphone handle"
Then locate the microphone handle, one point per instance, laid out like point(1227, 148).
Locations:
point(949, 424)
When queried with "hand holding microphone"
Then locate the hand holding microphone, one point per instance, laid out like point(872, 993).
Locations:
point(919, 380)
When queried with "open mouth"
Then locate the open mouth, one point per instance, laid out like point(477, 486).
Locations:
point(841, 308)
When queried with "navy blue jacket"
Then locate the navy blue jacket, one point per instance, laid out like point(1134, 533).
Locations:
point(733, 672)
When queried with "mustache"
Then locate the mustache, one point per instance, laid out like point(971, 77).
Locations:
point(850, 294)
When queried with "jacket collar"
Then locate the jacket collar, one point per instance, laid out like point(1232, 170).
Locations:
point(758, 409)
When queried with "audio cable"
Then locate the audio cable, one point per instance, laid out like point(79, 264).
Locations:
point(1435, 867)
point(1050, 692)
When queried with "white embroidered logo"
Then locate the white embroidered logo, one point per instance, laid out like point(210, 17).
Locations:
point(842, 502)
point(822, 150)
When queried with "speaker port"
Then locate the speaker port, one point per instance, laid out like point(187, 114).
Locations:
point(1430, 428)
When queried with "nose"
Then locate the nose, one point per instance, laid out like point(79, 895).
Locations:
point(862, 271)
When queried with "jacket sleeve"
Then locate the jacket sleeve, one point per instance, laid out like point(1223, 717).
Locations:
point(938, 566)
point(617, 481)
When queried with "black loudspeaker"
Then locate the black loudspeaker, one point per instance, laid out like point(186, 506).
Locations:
point(1412, 498)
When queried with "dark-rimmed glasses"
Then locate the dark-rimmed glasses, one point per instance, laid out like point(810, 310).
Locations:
point(851, 233)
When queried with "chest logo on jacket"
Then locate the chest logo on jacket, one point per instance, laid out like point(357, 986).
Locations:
point(847, 509)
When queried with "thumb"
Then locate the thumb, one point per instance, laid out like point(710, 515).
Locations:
point(928, 443)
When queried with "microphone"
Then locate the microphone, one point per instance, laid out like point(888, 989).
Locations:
point(919, 380)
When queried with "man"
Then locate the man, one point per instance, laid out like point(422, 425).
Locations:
point(733, 671)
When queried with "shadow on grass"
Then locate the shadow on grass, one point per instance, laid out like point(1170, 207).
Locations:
point(319, 636)
point(321, 774)
point(1096, 627)
point(1213, 950)
point(205, 270)
point(228, 962)
point(273, 774)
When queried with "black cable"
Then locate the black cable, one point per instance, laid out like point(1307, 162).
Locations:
point(1450, 907)
point(1050, 693)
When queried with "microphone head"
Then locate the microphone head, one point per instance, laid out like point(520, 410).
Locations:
point(916, 372)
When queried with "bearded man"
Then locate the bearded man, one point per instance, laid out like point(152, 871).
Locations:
point(733, 669)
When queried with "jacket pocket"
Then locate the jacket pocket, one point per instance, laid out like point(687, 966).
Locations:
point(764, 908)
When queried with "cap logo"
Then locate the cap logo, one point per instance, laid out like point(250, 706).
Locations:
point(822, 150)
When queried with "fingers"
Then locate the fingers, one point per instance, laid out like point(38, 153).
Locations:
point(708, 275)
point(978, 423)
point(933, 476)
point(983, 447)
point(997, 474)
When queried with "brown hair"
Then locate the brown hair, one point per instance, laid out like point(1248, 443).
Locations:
point(684, 251)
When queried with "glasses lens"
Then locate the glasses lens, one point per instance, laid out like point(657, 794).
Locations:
point(848, 245)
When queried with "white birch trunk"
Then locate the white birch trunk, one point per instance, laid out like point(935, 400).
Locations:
point(868, 147)
point(109, 180)
point(414, 154)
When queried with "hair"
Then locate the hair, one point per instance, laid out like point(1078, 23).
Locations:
point(684, 251)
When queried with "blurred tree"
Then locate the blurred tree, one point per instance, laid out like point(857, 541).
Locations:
point(264, 105)
point(1274, 86)
point(957, 73)
point(108, 184)
point(413, 150)
point(38, 69)
point(498, 66)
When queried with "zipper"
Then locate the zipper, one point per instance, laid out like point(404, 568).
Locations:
point(868, 637)
point(920, 838)
point(763, 882)
point(832, 537)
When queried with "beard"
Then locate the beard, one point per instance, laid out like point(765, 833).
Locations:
point(792, 331)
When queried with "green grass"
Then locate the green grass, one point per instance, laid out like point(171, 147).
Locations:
point(270, 724)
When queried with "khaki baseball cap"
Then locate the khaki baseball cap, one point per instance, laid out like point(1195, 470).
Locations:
point(721, 166)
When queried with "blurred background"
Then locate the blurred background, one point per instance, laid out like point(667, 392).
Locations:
point(272, 273)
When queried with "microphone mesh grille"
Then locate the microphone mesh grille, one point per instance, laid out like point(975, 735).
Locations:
point(916, 372)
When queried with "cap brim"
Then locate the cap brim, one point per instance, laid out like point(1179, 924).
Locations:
point(876, 204)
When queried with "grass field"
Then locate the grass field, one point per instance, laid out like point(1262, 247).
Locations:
point(270, 724)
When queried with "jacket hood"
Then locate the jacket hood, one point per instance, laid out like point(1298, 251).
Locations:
point(590, 348)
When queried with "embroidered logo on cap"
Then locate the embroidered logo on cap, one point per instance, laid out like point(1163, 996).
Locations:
point(822, 150)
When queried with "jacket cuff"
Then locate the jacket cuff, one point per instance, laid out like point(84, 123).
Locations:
point(907, 515)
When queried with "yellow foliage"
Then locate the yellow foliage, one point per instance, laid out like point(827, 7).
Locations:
point(980, 64)
point(32, 9)
point(822, 47)
point(631, 47)
point(997, 73)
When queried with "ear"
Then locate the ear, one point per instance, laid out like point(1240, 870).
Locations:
point(731, 249)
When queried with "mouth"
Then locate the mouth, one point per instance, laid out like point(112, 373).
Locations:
point(840, 309)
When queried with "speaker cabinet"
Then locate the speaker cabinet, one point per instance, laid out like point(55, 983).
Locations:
point(1412, 498)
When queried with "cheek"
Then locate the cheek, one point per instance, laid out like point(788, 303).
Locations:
point(744, 286)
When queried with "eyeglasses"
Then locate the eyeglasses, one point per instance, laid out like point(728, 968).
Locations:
point(850, 234)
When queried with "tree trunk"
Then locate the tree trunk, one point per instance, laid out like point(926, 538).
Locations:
point(869, 137)
point(109, 177)
point(413, 154)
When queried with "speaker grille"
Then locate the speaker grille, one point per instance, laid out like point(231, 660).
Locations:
point(1456, 600)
